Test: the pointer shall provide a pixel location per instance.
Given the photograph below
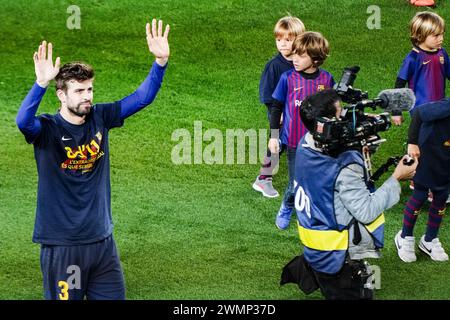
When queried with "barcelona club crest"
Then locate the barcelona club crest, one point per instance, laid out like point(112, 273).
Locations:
point(441, 59)
point(320, 87)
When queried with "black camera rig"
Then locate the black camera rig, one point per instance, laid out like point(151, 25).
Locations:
point(355, 129)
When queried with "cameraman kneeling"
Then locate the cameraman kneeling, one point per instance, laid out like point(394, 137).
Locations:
point(341, 221)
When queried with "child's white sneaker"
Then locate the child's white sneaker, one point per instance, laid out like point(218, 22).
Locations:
point(405, 247)
point(433, 248)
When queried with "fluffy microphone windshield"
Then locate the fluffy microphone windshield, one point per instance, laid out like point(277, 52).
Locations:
point(402, 99)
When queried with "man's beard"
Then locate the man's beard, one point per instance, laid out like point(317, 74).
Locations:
point(78, 110)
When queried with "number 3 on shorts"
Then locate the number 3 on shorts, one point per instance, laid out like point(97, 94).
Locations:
point(64, 295)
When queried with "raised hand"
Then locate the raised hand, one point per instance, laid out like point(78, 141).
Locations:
point(43, 64)
point(157, 42)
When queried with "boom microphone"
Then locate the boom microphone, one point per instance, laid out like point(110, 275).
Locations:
point(402, 99)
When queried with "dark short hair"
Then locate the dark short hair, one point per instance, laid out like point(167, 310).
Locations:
point(320, 104)
point(78, 71)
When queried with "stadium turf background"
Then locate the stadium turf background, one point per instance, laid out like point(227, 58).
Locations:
point(193, 231)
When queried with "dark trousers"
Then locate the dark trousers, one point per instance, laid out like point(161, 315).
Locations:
point(348, 284)
point(289, 195)
point(270, 161)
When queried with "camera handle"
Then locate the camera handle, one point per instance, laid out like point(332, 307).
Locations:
point(384, 168)
point(367, 162)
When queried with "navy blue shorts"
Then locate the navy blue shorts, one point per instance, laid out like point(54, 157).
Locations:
point(75, 272)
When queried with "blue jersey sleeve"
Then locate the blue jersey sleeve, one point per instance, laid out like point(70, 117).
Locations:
point(446, 64)
point(407, 68)
point(145, 94)
point(26, 119)
point(280, 92)
point(267, 83)
point(433, 111)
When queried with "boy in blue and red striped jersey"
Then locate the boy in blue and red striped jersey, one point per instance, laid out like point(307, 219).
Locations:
point(427, 65)
point(310, 50)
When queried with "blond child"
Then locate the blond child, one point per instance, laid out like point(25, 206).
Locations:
point(285, 31)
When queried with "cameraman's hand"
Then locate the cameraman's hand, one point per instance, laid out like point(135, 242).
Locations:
point(404, 172)
point(274, 145)
point(413, 150)
point(397, 120)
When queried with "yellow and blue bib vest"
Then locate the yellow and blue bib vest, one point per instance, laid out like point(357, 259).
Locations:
point(325, 241)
